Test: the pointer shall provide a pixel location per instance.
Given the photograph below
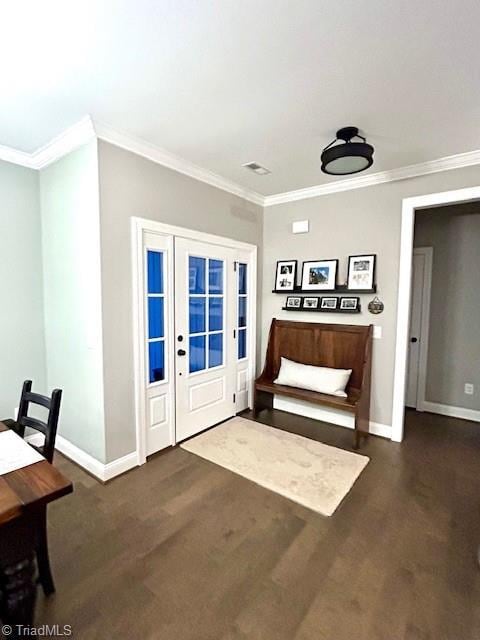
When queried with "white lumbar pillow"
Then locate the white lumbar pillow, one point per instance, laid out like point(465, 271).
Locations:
point(321, 379)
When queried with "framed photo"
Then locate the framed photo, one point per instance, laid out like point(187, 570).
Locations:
point(361, 272)
point(310, 303)
point(286, 275)
point(319, 275)
point(294, 302)
point(350, 304)
point(329, 303)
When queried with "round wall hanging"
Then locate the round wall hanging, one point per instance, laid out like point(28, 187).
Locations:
point(376, 305)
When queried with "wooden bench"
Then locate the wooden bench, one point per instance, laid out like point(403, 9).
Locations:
point(338, 346)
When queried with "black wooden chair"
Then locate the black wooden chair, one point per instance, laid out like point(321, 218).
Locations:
point(49, 430)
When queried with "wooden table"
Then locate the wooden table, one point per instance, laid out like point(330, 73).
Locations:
point(24, 494)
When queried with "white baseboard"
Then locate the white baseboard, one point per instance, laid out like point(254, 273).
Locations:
point(80, 457)
point(340, 418)
point(382, 430)
point(452, 412)
point(120, 465)
point(309, 410)
point(98, 469)
point(36, 439)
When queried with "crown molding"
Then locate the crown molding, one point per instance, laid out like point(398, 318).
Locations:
point(171, 161)
point(24, 159)
point(402, 173)
point(75, 136)
point(86, 129)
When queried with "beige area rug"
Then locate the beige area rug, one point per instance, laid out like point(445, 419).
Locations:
point(313, 474)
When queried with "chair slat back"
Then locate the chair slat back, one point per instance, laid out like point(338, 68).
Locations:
point(34, 423)
point(48, 428)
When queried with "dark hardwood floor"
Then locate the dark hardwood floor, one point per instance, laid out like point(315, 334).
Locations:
point(181, 549)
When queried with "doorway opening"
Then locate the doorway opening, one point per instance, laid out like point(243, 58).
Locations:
point(437, 350)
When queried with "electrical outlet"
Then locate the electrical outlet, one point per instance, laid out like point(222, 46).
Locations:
point(469, 389)
point(377, 331)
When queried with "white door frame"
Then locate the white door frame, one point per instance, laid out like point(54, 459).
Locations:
point(427, 253)
point(404, 290)
point(138, 227)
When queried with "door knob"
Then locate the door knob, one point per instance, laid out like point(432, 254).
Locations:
point(181, 352)
point(413, 339)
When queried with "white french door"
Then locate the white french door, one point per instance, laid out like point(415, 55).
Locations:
point(205, 324)
point(194, 332)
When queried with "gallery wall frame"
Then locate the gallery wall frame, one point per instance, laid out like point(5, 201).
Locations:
point(286, 275)
point(368, 281)
point(319, 275)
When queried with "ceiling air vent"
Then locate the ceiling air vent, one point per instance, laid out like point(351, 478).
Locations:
point(256, 168)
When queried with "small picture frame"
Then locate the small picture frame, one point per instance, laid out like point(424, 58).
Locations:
point(350, 303)
point(361, 272)
point(293, 302)
point(286, 275)
point(329, 303)
point(319, 275)
point(310, 303)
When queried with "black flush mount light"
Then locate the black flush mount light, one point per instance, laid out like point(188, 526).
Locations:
point(347, 157)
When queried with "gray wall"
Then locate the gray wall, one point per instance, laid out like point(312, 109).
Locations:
point(454, 344)
point(69, 195)
point(361, 221)
point(22, 343)
point(134, 186)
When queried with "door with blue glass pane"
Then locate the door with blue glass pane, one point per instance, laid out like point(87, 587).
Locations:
point(158, 320)
point(205, 307)
point(244, 333)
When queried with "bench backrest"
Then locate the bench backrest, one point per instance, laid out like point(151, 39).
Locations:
point(339, 346)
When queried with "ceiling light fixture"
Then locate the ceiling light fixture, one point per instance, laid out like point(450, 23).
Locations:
point(347, 157)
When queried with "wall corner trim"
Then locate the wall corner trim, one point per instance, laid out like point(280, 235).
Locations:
point(98, 469)
point(75, 136)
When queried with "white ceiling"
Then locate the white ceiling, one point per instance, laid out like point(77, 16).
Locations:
point(224, 82)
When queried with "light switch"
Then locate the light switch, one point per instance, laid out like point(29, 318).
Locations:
point(301, 226)
point(377, 331)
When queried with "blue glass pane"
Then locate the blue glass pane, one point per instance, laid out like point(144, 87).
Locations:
point(155, 317)
point(196, 315)
point(215, 276)
point(242, 344)
point(156, 361)
point(196, 274)
point(242, 278)
point(155, 271)
point(197, 353)
point(242, 311)
point(215, 314)
point(215, 350)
